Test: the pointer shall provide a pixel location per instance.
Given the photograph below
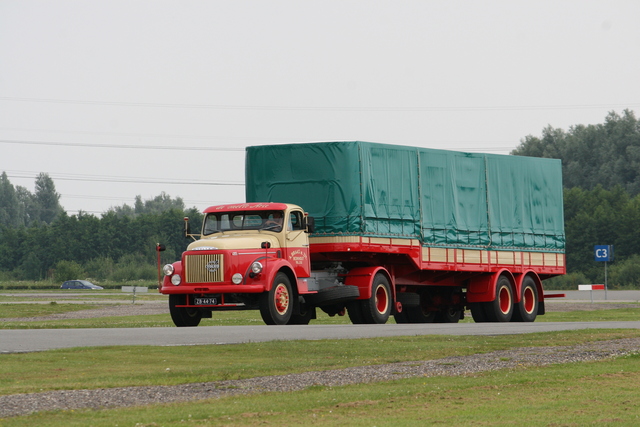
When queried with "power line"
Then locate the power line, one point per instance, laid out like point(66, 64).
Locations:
point(177, 148)
point(93, 197)
point(143, 147)
point(77, 211)
point(180, 148)
point(131, 199)
point(104, 178)
point(319, 108)
point(145, 135)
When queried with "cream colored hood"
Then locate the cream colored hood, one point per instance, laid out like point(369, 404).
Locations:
point(234, 241)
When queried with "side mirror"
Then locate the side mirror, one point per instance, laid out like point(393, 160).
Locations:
point(311, 224)
point(187, 227)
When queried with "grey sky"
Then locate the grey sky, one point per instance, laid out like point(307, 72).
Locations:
point(197, 81)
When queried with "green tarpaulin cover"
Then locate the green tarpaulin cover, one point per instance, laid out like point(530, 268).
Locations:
point(442, 198)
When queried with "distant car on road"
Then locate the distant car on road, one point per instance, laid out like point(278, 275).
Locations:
point(79, 284)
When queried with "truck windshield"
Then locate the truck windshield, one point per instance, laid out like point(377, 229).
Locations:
point(219, 222)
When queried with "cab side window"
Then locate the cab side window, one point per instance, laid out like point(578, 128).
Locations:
point(295, 221)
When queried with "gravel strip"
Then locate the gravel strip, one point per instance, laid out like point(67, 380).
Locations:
point(22, 404)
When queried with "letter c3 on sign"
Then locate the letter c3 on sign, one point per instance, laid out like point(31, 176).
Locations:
point(603, 252)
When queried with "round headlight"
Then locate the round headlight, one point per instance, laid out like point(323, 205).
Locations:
point(236, 278)
point(175, 279)
point(167, 269)
point(256, 267)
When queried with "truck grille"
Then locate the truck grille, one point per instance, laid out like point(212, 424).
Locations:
point(204, 268)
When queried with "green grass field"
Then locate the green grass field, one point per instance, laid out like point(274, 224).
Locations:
point(603, 393)
point(572, 394)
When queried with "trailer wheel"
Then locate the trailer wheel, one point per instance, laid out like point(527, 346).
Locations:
point(477, 312)
point(501, 308)
point(527, 309)
point(183, 316)
point(276, 306)
point(414, 314)
point(377, 308)
point(448, 315)
point(354, 310)
point(401, 317)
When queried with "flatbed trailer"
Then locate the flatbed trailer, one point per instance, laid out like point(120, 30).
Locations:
point(373, 230)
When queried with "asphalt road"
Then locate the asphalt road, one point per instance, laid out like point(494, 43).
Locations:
point(599, 296)
point(27, 340)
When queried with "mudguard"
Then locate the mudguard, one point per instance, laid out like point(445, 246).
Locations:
point(362, 277)
point(520, 278)
point(272, 267)
point(483, 288)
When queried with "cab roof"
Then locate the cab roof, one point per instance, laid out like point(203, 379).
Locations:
point(248, 207)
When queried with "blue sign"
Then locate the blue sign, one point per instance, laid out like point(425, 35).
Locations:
point(603, 252)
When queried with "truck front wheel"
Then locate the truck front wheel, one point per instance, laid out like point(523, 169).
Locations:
point(183, 316)
point(276, 306)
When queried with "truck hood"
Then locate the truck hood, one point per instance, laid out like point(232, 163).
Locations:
point(233, 241)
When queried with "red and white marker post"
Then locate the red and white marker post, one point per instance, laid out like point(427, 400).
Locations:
point(591, 288)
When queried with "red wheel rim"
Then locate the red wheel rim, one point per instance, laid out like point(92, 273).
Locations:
point(382, 299)
point(281, 298)
point(528, 300)
point(505, 299)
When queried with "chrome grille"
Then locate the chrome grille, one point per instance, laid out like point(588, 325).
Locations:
point(204, 268)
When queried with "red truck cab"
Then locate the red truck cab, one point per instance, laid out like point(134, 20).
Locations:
point(249, 255)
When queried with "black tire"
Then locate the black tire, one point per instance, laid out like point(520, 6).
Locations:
point(377, 308)
point(414, 314)
point(448, 315)
point(276, 306)
point(304, 318)
point(526, 310)
point(354, 310)
point(501, 308)
point(401, 317)
point(477, 312)
point(183, 316)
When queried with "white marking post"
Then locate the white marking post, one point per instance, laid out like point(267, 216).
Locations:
point(135, 289)
point(591, 288)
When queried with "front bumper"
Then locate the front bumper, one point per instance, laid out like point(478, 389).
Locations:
point(210, 288)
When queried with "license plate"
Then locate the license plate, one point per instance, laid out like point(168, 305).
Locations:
point(205, 301)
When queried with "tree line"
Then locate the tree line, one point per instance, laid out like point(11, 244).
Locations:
point(605, 154)
point(601, 173)
point(21, 208)
point(601, 179)
point(120, 245)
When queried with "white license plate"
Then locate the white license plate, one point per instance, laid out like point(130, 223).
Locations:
point(205, 301)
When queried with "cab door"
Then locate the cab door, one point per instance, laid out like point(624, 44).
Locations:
point(297, 243)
